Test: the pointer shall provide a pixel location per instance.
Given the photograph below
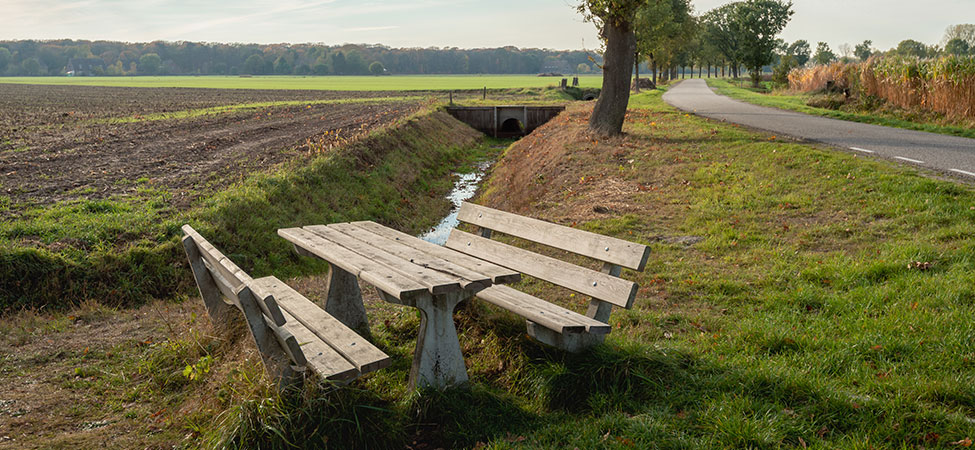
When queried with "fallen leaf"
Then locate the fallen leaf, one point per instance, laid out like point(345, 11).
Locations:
point(967, 442)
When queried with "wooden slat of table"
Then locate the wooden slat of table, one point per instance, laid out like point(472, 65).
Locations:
point(473, 281)
point(436, 282)
point(498, 274)
point(387, 280)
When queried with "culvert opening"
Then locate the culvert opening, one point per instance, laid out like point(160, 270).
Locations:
point(512, 125)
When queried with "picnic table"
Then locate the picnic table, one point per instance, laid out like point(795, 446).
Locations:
point(408, 271)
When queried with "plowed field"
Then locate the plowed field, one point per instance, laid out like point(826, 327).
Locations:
point(61, 143)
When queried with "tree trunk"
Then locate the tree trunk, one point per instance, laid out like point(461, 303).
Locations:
point(636, 70)
point(610, 110)
point(709, 70)
point(700, 69)
point(653, 67)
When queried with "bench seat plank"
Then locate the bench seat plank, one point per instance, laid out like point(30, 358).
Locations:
point(596, 246)
point(553, 317)
point(358, 351)
point(436, 282)
point(388, 281)
point(322, 359)
point(474, 281)
point(498, 274)
point(602, 286)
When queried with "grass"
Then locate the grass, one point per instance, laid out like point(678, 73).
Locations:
point(873, 112)
point(332, 83)
point(125, 250)
point(828, 305)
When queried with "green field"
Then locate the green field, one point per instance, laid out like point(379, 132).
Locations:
point(330, 83)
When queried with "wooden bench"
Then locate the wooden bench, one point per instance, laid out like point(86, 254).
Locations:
point(292, 334)
point(549, 323)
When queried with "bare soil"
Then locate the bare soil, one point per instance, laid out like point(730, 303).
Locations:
point(52, 150)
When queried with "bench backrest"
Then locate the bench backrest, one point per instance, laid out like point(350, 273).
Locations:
point(596, 246)
point(603, 287)
point(230, 279)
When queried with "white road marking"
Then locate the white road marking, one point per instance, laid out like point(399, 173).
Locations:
point(963, 172)
point(909, 160)
point(861, 150)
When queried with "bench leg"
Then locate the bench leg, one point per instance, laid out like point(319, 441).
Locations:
point(438, 362)
point(344, 301)
point(570, 342)
point(218, 310)
point(277, 363)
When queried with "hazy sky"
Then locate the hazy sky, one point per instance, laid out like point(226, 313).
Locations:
point(442, 23)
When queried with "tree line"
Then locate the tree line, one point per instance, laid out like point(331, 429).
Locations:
point(743, 33)
point(51, 57)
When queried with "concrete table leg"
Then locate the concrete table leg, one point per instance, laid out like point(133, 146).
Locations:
point(437, 361)
point(344, 300)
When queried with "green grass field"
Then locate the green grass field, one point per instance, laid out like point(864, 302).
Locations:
point(328, 83)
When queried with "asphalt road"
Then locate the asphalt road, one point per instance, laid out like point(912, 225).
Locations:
point(954, 155)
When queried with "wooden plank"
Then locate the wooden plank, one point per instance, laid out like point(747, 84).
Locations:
point(570, 318)
point(249, 302)
point(321, 358)
point(217, 308)
point(228, 277)
point(225, 287)
point(385, 279)
point(436, 282)
point(472, 280)
point(536, 310)
point(356, 349)
point(605, 287)
point(596, 246)
point(218, 262)
point(498, 274)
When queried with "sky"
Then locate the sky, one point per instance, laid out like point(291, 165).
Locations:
point(436, 23)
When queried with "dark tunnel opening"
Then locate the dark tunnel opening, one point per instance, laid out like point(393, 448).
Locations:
point(512, 125)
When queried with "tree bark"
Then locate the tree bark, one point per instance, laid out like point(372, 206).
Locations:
point(653, 67)
point(610, 110)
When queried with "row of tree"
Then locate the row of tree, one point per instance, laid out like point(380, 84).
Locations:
point(33, 58)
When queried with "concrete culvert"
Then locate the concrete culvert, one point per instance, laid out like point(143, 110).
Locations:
point(512, 125)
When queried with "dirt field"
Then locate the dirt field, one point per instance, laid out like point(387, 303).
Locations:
point(55, 146)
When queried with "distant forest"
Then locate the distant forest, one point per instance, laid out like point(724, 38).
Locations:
point(40, 58)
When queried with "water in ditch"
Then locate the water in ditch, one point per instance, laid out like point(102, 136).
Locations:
point(463, 190)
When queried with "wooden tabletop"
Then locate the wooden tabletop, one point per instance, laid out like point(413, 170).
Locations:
point(398, 264)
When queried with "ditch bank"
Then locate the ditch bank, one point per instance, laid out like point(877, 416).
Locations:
point(397, 175)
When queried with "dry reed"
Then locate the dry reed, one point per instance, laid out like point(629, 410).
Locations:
point(945, 85)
